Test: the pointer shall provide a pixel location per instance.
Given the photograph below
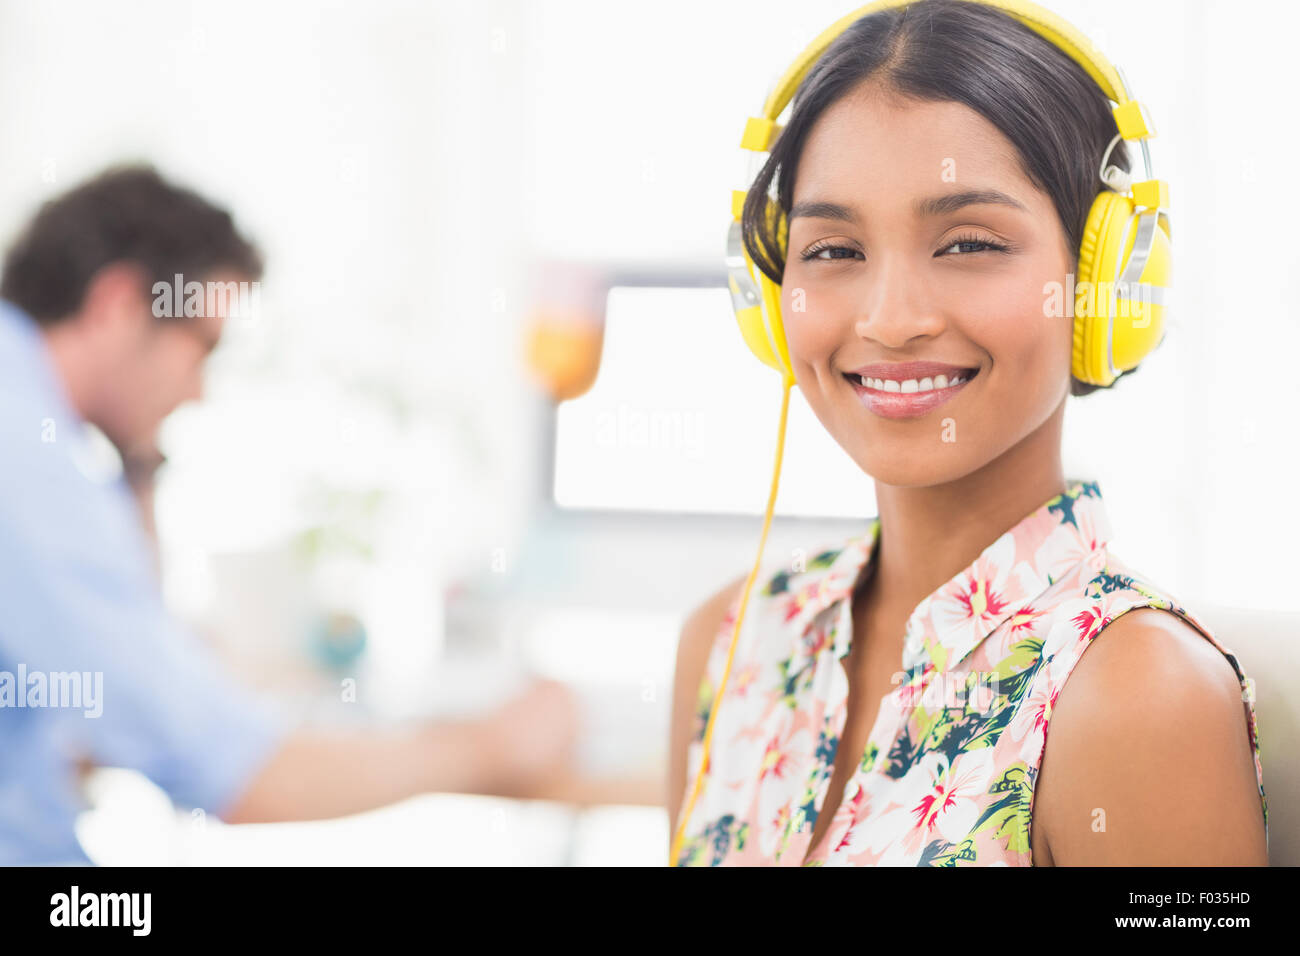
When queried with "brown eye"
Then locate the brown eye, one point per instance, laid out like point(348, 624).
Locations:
point(815, 252)
point(982, 245)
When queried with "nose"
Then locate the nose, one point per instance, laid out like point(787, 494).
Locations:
point(896, 306)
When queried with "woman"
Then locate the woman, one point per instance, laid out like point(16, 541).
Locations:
point(890, 702)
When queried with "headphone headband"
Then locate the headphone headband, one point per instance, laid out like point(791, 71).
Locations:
point(1131, 116)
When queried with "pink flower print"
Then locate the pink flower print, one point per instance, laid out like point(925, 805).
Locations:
point(850, 810)
point(1098, 611)
point(797, 600)
point(774, 759)
point(739, 685)
point(1090, 620)
point(1022, 619)
point(911, 694)
point(782, 817)
point(1023, 623)
point(1034, 712)
point(979, 599)
point(1069, 547)
point(1093, 529)
point(785, 764)
point(729, 619)
point(1030, 533)
point(936, 800)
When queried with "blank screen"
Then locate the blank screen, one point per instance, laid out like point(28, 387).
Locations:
point(683, 418)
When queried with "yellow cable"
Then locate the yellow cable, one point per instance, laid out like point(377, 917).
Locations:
point(675, 848)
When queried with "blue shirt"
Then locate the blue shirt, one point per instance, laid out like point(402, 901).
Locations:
point(91, 663)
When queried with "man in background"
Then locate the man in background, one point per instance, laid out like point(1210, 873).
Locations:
point(81, 342)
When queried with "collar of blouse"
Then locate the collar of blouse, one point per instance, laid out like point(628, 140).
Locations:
point(1002, 583)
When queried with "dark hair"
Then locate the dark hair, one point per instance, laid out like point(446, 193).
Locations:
point(1044, 102)
point(125, 214)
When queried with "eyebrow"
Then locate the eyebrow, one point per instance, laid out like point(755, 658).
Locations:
point(925, 208)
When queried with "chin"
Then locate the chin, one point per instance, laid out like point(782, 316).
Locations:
point(918, 478)
point(916, 468)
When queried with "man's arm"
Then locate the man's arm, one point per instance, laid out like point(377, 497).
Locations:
point(318, 773)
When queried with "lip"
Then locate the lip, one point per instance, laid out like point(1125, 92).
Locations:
point(902, 371)
point(910, 404)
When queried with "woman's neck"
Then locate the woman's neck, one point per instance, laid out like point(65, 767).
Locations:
point(929, 534)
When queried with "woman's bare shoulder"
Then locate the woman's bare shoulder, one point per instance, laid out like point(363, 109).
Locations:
point(1148, 758)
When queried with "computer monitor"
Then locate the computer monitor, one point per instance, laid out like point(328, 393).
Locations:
point(683, 419)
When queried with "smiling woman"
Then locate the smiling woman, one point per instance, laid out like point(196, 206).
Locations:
point(892, 697)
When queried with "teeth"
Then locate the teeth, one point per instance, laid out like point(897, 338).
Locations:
point(911, 385)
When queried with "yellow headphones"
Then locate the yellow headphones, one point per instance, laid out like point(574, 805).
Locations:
point(1124, 263)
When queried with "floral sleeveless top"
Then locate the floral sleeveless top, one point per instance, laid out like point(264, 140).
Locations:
point(947, 777)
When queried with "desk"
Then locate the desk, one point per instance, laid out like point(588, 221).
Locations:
point(134, 824)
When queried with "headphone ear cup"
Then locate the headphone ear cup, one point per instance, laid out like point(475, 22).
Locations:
point(753, 328)
point(776, 327)
point(1088, 355)
point(780, 226)
point(1114, 329)
point(1139, 330)
point(761, 324)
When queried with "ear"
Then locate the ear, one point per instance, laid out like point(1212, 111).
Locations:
point(117, 301)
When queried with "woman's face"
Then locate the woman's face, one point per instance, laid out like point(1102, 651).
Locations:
point(874, 278)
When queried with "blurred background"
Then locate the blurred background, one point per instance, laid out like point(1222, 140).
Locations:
point(493, 417)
